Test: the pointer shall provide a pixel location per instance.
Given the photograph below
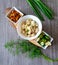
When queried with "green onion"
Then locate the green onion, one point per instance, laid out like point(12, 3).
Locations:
point(37, 6)
point(44, 9)
point(37, 12)
point(47, 9)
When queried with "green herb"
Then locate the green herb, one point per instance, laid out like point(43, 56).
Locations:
point(24, 46)
point(38, 6)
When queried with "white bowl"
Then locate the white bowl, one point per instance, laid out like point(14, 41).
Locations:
point(22, 19)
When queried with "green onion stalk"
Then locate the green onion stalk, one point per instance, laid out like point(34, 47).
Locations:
point(39, 7)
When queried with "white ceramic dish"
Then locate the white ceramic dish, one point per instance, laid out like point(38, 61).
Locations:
point(51, 39)
point(13, 8)
point(22, 19)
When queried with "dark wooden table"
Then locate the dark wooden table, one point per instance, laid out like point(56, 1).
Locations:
point(7, 33)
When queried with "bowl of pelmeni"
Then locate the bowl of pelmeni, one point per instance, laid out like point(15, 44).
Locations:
point(29, 27)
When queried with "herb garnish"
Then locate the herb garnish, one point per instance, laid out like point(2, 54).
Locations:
point(25, 46)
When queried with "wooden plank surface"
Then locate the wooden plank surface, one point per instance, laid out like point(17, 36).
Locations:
point(7, 33)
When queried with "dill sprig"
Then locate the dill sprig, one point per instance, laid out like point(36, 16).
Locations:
point(24, 46)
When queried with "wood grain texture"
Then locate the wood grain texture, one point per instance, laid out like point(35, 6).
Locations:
point(7, 33)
